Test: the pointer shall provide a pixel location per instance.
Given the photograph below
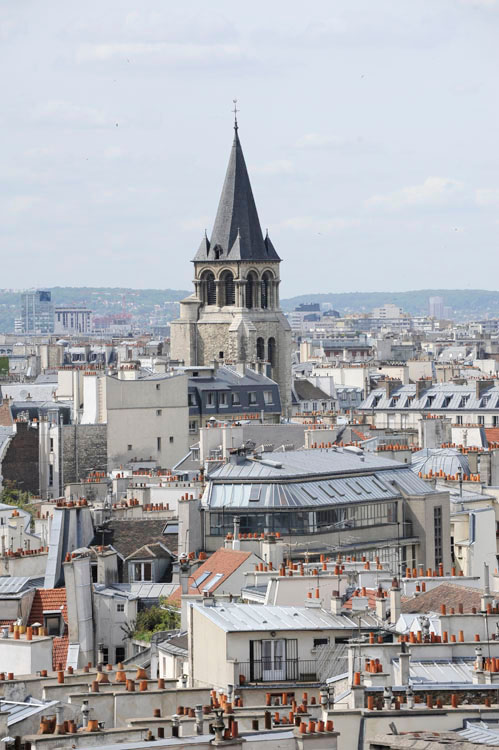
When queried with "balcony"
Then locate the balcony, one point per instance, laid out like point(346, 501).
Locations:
point(277, 670)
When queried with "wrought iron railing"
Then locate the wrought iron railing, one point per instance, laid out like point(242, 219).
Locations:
point(277, 670)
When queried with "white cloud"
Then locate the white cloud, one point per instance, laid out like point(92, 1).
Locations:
point(434, 191)
point(161, 53)
point(317, 225)
point(278, 167)
point(196, 223)
point(20, 204)
point(66, 113)
point(487, 197)
point(481, 3)
point(328, 141)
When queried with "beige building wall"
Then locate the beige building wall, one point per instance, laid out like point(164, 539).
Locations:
point(140, 412)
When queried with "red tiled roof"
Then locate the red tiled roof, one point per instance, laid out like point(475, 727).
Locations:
point(224, 561)
point(48, 599)
point(492, 434)
point(371, 599)
point(359, 434)
point(450, 594)
point(60, 652)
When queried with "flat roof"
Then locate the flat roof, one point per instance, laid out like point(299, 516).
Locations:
point(250, 617)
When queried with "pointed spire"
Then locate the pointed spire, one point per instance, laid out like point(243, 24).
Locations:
point(237, 234)
point(235, 110)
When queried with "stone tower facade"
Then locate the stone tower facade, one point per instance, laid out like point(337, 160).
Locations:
point(234, 316)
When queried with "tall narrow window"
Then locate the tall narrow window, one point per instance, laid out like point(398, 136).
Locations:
point(266, 290)
point(208, 288)
point(260, 349)
point(271, 351)
point(228, 289)
point(251, 287)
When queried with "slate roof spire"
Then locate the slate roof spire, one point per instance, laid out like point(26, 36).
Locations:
point(237, 234)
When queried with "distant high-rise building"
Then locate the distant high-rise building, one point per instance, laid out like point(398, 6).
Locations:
point(388, 311)
point(436, 307)
point(73, 319)
point(37, 313)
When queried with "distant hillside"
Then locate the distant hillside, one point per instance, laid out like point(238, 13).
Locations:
point(140, 303)
point(466, 304)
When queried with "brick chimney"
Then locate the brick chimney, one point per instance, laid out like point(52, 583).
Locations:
point(395, 602)
point(422, 385)
point(391, 385)
point(482, 386)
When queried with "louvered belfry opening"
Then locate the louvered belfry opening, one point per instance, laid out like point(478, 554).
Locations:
point(251, 288)
point(209, 289)
point(266, 290)
point(260, 349)
point(228, 288)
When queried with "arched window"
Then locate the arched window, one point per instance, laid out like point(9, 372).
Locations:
point(271, 351)
point(208, 288)
point(228, 289)
point(260, 349)
point(251, 289)
point(266, 290)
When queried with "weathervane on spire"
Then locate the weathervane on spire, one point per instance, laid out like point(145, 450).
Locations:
point(235, 110)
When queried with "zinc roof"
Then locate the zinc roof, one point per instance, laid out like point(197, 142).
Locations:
point(262, 493)
point(248, 617)
point(481, 732)
point(20, 711)
point(303, 463)
point(441, 671)
point(445, 396)
point(12, 584)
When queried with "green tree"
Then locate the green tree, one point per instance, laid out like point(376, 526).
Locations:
point(12, 495)
point(165, 616)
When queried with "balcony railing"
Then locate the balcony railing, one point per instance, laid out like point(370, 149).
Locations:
point(277, 670)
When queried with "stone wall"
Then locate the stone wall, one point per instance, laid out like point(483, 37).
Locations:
point(20, 464)
point(84, 450)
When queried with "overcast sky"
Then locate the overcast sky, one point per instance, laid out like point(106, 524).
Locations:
point(369, 127)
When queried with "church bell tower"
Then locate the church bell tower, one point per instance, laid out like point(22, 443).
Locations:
point(234, 316)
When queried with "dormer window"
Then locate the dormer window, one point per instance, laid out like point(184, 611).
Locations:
point(142, 571)
point(53, 623)
point(217, 252)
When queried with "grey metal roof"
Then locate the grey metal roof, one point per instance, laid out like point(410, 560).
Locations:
point(139, 590)
point(201, 739)
point(6, 433)
point(434, 459)
point(444, 396)
point(152, 590)
point(481, 732)
point(255, 485)
point(438, 671)
point(13, 584)
point(36, 391)
point(248, 617)
point(465, 496)
point(305, 463)
point(237, 230)
point(226, 377)
point(306, 391)
point(23, 710)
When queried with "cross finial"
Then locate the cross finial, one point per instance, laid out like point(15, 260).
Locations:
point(235, 110)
